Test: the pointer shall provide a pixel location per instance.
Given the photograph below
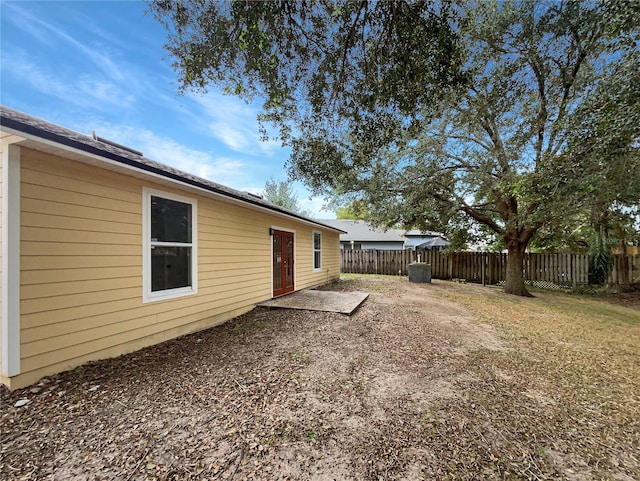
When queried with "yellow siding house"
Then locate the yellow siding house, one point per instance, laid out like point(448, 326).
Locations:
point(104, 251)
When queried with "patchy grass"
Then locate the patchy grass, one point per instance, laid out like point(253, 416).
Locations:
point(244, 328)
point(358, 385)
point(301, 356)
point(374, 283)
point(569, 384)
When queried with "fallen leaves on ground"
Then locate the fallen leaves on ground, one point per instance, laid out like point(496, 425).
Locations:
point(440, 381)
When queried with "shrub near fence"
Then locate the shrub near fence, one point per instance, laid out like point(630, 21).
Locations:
point(543, 270)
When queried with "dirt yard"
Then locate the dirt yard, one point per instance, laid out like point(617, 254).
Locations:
point(440, 381)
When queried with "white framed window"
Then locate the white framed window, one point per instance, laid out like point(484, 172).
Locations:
point(317, 250)
point(169, 257)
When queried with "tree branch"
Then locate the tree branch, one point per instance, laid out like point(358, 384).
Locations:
point(348, 40)
point(489, 126)
point(302, 31)
point(568, 85)
point(542, 113)
point(483, 219)
point(474, 140)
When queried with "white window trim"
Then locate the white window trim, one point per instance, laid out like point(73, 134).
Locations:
point(313, 251)
point(147, 294)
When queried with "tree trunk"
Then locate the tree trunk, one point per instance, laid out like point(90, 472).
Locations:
point(514, 283)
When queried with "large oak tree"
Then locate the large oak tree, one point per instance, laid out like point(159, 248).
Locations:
point(455, 116)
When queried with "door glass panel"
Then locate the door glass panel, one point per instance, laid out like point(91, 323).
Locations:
point(277, 261)
point(289, 265)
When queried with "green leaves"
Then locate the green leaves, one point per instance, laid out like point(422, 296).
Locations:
point(337, 68)
point(511, 116)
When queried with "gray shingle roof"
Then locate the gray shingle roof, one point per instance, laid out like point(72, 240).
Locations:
point(359, 230)
point(35, 127)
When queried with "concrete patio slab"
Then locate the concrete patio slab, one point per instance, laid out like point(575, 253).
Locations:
point(311, 300)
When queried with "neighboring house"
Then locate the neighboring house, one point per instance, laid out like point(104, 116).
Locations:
point(105, 252)
point(360, 235)
point(416, 239)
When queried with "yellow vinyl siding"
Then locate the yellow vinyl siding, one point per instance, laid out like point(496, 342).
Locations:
point(330, 263)
point(35, 263)
point(56, 275)
point(112, 350)
point(81, 260)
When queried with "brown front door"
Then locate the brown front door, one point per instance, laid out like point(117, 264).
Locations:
point(282, 262)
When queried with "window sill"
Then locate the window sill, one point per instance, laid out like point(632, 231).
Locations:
point(169, 294)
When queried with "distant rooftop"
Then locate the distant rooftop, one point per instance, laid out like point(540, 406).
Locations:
point(359, 230)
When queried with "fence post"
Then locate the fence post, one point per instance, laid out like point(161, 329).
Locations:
point(623, 271)
point(483, 267)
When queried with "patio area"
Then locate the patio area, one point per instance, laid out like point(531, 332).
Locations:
point(325, 301)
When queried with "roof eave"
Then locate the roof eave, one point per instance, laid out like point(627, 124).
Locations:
point(22, 128)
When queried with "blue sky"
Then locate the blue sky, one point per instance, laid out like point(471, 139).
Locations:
point(101, 65)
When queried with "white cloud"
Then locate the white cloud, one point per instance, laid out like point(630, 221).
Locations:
point(80, 66)
point(234, 123)
point(39, 29)
point(315, 205)
point(81, 91)
point(20, 17)
point(224, 170)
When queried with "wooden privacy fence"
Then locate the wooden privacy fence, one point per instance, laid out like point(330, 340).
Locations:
point(545, 270)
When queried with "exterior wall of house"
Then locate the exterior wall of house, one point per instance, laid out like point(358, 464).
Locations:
point(81, 265)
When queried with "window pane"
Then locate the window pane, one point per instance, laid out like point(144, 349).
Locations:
point(170, 220)
point(317, 250)
point(170, 268)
